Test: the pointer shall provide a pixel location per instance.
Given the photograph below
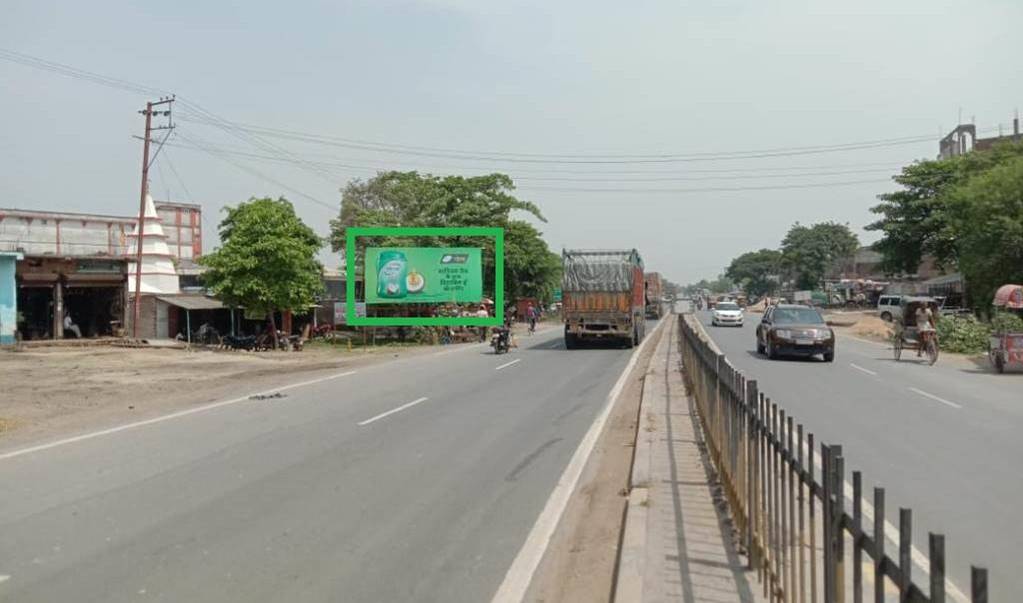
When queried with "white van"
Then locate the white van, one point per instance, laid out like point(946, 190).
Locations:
point(888, 307)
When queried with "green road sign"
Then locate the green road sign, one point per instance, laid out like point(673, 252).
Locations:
point(423, 275)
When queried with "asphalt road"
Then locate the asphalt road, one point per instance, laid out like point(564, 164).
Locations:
point(945, 440)
point(415, 480)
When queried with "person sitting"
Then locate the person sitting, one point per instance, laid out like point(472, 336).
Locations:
point(70, 326)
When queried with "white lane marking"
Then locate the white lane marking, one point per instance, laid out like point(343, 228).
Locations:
point(933, 397)
point(507, 364)
point(392, 411)
point(162, 418)
point(861, 340)
point(520, 573)
point(4, 578)
point(860, 368)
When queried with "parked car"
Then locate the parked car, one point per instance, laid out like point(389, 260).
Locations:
point(726, 313)
point(888, 307)
point(796, 330)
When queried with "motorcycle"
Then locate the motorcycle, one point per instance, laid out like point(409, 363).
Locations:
point(500, 341)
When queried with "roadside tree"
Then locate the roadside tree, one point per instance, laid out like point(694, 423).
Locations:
point(411, 199)
point(756, 271)
point(809, 251)
point(266, 260)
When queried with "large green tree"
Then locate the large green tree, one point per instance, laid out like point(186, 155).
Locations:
point(411, 199)
point(266, 260)
point(914, 221)
point(756, 271)
point(810, 251)
point(986, 215)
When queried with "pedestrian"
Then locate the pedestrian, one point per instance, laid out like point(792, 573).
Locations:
point(531, 316)
point(482, 313)
point(69, 325)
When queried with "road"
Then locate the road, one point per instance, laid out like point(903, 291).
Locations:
point(414, 480)
point(944, 440)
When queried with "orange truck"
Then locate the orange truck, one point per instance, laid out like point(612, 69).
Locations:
point(603, 296)
point(654, 295)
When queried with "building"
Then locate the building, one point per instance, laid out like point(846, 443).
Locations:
point(963, 139)
point(8, 297)
point(78, 264)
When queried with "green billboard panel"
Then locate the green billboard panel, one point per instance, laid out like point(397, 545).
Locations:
point(416, 275)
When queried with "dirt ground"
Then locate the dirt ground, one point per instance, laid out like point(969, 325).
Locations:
point(56, 390)
point(579, 564)
point(861, 324)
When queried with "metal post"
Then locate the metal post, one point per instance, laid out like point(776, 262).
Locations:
point(978, 584)
point(857, 478)
point(879, 542)
point(188, 325)
point(813, 519)
point(905, 561)
point(837, 532)
point(936, 551)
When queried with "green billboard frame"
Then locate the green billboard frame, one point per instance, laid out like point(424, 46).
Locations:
point(354, 232)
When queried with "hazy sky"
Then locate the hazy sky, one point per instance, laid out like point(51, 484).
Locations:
point(574, 77)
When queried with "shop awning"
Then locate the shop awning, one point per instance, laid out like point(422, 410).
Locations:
point(192, 302)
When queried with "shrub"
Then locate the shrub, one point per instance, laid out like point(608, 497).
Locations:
point(1006, 322)
point(963, 334)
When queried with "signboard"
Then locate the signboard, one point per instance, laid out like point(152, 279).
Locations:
point(557, 294)
point(410, 275)
point(802, 296)
point(339, 311)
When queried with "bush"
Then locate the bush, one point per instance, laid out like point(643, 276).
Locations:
point(963, 334)
point(1006, 322)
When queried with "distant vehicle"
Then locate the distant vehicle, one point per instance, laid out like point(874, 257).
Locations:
point(726, 313)
point(888, 307)
point(603, 296)
point(796, 330)
point(912, 336)
point(655, 297)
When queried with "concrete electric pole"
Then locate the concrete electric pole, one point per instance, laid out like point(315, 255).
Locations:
point(149, 112)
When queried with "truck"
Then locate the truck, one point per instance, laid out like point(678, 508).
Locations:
point(654, 295)
point(603, 296)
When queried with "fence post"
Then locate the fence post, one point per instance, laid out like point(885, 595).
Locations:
point(751, 470)
point(829, 550)
point(936, 551)
point(813, 517)
point(978, 584)
point(837, 532)
point(905, 561)
point(879, 542)
point(857, 478)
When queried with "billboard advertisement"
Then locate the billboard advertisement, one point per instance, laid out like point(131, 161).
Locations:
point(417, 275)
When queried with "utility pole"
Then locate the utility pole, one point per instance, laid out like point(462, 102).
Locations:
point(149, 113)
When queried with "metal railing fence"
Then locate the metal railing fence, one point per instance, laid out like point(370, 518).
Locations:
point(789, 504)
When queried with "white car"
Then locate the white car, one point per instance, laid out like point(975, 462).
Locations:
point(726, 313)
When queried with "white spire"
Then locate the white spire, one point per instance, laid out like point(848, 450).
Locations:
point(158, 272)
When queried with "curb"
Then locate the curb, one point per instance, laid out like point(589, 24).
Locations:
point(632, 554)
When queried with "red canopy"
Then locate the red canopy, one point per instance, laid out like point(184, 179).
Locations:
point(1009, 296)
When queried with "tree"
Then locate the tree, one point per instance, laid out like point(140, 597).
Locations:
point(914, 221)
point(266, 260)
point(411, 199)
point(809, 251)
point(986, 213)
point(756, 271)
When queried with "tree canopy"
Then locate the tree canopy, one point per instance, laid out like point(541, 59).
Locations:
point(809, 251)
point(411, 199)
point(985, 215)
point(266, 260)
point(756, 271)
point(915, 220)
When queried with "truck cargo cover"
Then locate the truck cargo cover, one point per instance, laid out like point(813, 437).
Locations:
point(599, 270)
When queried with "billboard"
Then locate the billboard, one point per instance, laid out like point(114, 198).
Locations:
point(417, 275)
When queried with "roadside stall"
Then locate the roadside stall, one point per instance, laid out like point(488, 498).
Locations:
point(1006, 346)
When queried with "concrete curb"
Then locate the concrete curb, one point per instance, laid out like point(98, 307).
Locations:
point(632, 555)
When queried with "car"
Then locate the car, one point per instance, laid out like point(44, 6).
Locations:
point(726, 313)
point(795, 330)
point(888, 307)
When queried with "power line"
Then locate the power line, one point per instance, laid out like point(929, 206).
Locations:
point(580, 159)
point(728, 175)
point(714, 189)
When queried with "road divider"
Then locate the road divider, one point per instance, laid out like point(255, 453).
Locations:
point(393, 411)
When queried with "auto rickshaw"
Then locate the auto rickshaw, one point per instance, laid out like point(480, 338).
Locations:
point(1006, 348)
point(909, 335)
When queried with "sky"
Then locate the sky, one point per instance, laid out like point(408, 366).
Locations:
point(625, 120)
